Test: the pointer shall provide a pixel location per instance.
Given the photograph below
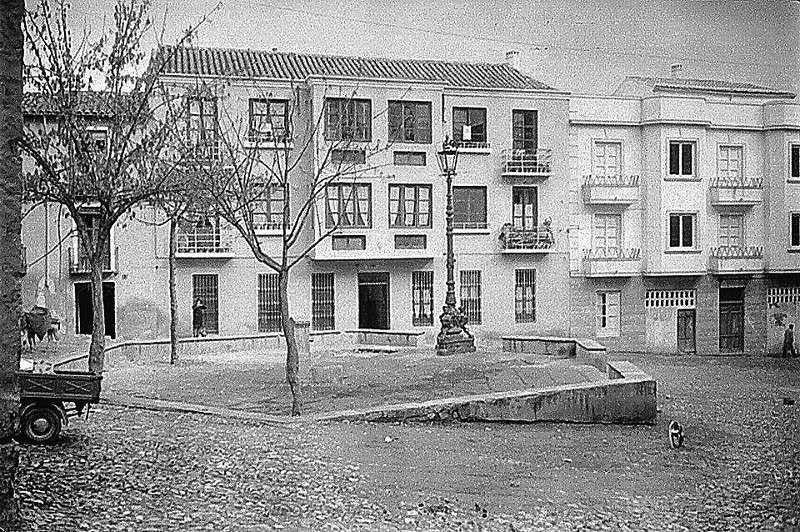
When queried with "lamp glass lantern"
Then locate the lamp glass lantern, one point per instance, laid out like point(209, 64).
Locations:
point(448, 158)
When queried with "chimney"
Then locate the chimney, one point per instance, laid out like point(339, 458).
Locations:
point(512, 59)
point(675, 70)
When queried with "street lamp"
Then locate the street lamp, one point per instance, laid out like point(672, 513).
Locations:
point(453, 337)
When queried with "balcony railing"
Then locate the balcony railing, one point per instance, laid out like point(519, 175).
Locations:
point(469, 145)
point(613, 262)
point(527, 162)
point(268, 226)
point(728, 192)
point(207, 151)
point(205, 244)
point(538, 239)
point(610, 189)
point(79, 262)
point(736, 259)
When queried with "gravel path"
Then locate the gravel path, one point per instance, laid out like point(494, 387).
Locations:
point(156, 471)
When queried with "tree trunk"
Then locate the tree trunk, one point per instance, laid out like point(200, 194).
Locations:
point(173, 295)
point(11, 273)
point(98, 346)
point(292, 355)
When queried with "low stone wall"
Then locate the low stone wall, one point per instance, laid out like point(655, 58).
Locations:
point(629, 398)
point(585, 351)
point(158, 350)
point(386, 337)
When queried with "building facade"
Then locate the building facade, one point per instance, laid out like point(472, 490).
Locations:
point(684, 231)
point(663, 218)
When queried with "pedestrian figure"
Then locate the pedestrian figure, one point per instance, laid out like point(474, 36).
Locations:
point(788, 342)
point(198, 317)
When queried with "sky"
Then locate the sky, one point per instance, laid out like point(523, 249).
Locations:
point(585, 46)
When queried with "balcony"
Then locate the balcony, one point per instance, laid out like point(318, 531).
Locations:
point(610, 189)
point(480, 148)
point(527, 164)
point(726, 192)
point(612, 262)
point(538, 239)
point(214, 245)
point(79, 262)
point(748, 259)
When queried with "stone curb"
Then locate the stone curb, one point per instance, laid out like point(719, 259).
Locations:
point(191, 408)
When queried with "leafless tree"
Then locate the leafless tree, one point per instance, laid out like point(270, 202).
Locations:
point(97, 175)
point(11, 270)
point(241, 171)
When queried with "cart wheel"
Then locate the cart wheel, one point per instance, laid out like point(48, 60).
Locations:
point(41, 425)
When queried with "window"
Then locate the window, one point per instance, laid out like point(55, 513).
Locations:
point(348, 119)
point(422, 298)
point(348, 157)
point(269, 306)
point(794, 231)
point(524, 209)
point(730, 165)
point(471, 294)
point(410, 242)
point(268, 212)
point(731, 230)
point(607, 158)
point(99, 139)
point(608, 313)
point(681, 158)
point(410, 122)
point(348, 242)
point(409, 158)
point(469, 206)
point(91, 220)
point(348, 205)
point(469, 125)
point(269, 119)
point(322, 302)
point(794, 161)
point(409, 205)
point(205, 287)
point(202, 126)
point(681, 230)
point(525, 130)
point(606, 233)
point(525, 296)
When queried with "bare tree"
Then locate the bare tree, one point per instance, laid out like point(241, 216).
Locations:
point(11, 270)
point(97, 175)
point(244, 168)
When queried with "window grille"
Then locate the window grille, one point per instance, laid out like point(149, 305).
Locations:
point(269, 307)
point(776, 296)
point(422, 297)
point(525, 296)
point(670, 298)
point(206, 288)
point(471, 295)
point(322, 304)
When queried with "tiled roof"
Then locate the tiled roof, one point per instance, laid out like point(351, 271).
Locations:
point(87, 103)
point(292, 66)
point(708, 85)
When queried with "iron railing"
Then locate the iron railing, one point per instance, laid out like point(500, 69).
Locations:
point(79, 262)
point(204, 243)
point(738, 252)
point(620, 180)
point(740, 182)
point(612, 254)
point(534, 238)
point(527, 161)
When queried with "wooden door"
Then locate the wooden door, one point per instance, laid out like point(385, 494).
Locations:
point(686, 334)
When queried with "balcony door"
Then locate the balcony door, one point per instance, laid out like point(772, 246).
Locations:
point(525, 207)
point(206, 288)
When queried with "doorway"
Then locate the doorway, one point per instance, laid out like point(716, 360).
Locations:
point(373, 300)
point(686, 335)
point(731, 320)
point(84, 308)
point(205, 287)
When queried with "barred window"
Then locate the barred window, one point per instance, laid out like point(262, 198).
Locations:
point(776, 296)
point(348, 119)
point(409, 205)
point(410, 122)
point(269, 307)
point(471, 295)
point(669, 298)
point(322, 302)
point(525, 296)
point(422, 297)
point(269, 119)
point(348, 205)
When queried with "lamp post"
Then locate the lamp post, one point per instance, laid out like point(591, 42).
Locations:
point(453, 337)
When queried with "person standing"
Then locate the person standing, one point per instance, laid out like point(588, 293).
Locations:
point(198, 317)
point(788, 342)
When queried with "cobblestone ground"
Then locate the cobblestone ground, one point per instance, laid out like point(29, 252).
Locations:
point(151, 471)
